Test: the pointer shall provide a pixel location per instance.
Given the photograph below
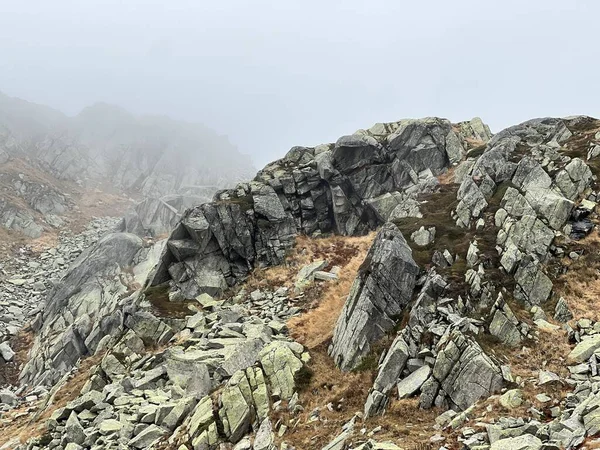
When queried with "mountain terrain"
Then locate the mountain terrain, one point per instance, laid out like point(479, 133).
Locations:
point(417, 284)
point(58, 171)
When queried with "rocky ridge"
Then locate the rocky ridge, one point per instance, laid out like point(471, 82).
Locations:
point(461, 264)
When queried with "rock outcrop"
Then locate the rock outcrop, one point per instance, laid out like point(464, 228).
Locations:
point(158, 216)
point(378, 297)
point(330, 188)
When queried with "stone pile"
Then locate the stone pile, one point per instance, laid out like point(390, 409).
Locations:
point(135, 397)
point(28, 277)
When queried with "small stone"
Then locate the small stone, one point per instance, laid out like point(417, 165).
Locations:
point(512, 399)
point(6, 352)
point(543, 398)
point(545, 377)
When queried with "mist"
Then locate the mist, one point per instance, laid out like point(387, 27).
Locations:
point(271, 75)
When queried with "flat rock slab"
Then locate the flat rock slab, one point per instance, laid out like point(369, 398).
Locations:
point(412, 383)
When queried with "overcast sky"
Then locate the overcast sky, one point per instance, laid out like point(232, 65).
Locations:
point(273, 74)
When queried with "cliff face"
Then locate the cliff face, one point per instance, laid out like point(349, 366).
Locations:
point(347, 188)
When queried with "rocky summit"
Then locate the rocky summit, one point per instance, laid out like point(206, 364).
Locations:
point(417, 284)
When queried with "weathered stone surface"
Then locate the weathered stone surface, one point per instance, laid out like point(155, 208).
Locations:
point(73, 430)
point(264, 437)
point(423, 237)
point(281, 367)
point(524, 442)
point(504, 324)
point(562, 313)
point(146, 437)
point(533, 285)
point(512, 399)
point(464, 371)
point(412, 383)
point(586, 348)
point(380, 292)
point(389, 373)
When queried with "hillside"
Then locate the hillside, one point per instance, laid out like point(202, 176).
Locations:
point(52, 164)
point(417, 284)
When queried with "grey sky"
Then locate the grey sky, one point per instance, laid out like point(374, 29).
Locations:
point(273, 74)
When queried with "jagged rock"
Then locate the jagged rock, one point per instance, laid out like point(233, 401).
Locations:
point(348, 187)
point(533, 285)
point(381, 290)
point(339, 442)
point(550, 205)
point(472, 254)
point(155, 216)
point(307, 273)
point(395, 205)
point(504, 324)
point(110, 426)
point(202, 417)
point(235, 413)
point(86, 401)
point(281, 367)
point(190, 375)
point(264, 437)
point(545, 377)
point(471, 203)
point(389, 373)
point(73, 430)
point(562, 313)
point(464, 371)
point(8, 398)
point(73, 446)
point(146, 437)
point(584, 349)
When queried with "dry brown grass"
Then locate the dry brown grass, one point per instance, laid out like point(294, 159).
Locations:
point(336, 250)
point(30, 421)
point(315, 327)
point(327, 385)
point(447, 177)
point(404, 423)
point(580, 285)
point(21, 343)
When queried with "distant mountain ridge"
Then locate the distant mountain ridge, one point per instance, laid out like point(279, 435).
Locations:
point(49, 158)
point(106, 143)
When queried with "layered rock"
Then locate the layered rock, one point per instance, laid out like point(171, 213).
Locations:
point(447, 369)
point(83, 309)
point(380, 293)
point(158, 216)
point(330, 188)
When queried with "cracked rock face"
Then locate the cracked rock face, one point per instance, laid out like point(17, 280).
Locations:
point(381, 291)
point(345, 188)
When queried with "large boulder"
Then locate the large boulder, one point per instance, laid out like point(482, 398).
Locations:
point(380, 292)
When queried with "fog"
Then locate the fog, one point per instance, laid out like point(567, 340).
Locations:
point(273, 74)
